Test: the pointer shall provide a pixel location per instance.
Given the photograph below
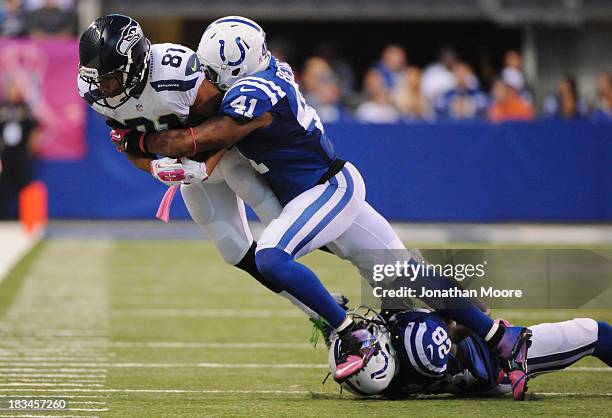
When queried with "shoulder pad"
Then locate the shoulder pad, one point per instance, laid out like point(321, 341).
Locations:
point(251, 97)
point(175, 68)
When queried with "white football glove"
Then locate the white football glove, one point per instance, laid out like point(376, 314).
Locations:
point(171, 172)
point(195, 172)
point(167, 170)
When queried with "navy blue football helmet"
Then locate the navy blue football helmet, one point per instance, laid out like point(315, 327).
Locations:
point(113, 47)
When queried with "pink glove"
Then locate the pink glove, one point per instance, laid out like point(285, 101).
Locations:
point(126, 139)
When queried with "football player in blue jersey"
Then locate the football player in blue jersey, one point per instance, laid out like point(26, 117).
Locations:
point(264, 115)
point(142, 87)
point(418, 354)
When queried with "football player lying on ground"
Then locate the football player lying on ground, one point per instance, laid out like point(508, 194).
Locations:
point(264, 115)
point(417, 354)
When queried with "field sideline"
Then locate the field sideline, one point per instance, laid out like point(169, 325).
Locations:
point(165, 328)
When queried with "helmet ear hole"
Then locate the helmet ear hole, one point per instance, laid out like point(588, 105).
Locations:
point(236, 72)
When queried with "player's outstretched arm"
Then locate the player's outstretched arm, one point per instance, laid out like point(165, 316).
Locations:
point(216, 132)
point(140, 161)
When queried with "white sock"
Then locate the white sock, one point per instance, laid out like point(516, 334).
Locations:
point(347, 321)
point(492, 331)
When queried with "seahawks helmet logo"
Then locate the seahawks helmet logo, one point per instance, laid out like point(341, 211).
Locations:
point(130, 35)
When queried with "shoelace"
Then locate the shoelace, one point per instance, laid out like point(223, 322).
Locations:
point(318, 328)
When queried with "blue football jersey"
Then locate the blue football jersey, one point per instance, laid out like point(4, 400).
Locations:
point(427, 364)
point(294, 152)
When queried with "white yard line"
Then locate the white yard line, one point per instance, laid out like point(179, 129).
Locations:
point(52, 375)
point(589, 369)
point(210, 345)
point(570, 394)
point(173, 365)
point(59, 396)
point(248, 392)
point(49, 416)
point(4, 359)
point(10, 369)
point(61, 332)
point(43, 380)
point(209, 313)
point(203, 391)
point(14, 244)
point(76, 385)
point(54, 363)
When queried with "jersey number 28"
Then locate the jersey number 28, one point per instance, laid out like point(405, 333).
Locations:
point(441, 340)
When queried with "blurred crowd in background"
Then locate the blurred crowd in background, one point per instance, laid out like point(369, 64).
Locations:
point(38, 18)
point(393, 90)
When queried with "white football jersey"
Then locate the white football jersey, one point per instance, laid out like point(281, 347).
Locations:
point(175, 75)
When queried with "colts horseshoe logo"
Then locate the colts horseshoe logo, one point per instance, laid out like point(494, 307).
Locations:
point(240, 47)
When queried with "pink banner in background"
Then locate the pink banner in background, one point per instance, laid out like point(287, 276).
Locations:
point(46, 73)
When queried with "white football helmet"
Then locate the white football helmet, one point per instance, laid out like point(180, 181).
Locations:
point(380, 370)
point(231, 48)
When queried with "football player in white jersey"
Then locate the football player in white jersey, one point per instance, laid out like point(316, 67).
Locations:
point(141, 88)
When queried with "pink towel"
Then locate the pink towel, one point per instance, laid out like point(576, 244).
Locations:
point(163, 212)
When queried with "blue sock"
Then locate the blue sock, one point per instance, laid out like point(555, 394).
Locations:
point(283, 272)
point(249, 265)
point(459, 309)
point(603, 345)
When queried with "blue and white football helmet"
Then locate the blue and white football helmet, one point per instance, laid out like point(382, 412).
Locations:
point(380, 370)
point(233, 47)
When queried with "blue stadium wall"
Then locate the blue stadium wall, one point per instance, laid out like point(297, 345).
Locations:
point(548, 170)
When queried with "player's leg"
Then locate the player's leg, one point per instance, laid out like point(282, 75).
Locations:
point(221, 215)
point(310, 220)
point(251, 187)
point(558, 345)
point(603, 346)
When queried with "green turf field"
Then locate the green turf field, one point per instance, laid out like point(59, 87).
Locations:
point(158, 328)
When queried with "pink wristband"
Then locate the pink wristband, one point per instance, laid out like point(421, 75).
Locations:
point(142, 142)
point(193, 139)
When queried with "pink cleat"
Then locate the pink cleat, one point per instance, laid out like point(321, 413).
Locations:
point(512, 350)
point(351, 352)
point(351, 366)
